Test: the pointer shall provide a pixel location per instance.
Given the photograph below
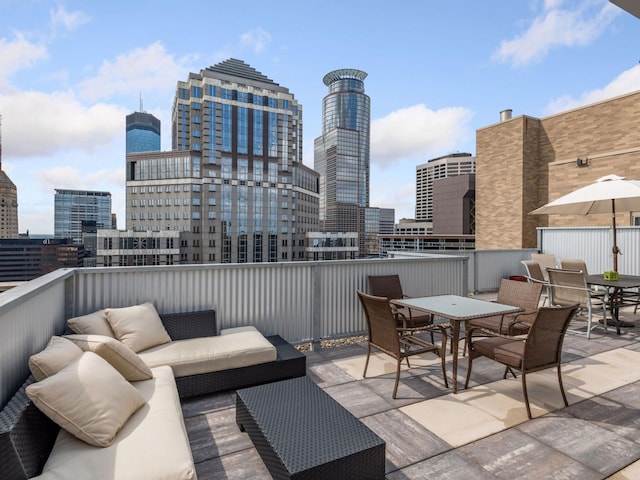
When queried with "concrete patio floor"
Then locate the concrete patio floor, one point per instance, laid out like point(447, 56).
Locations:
point(479, 433)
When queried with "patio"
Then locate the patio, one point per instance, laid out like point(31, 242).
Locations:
point(482, 432)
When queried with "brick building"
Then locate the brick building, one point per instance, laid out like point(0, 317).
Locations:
point(524, 162)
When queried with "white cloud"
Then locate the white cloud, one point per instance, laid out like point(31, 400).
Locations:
point(417, 132)
point(68, 21)
point(72, 178)
point(58, 121)
point(256, 39)
point(16, 55)
point(402, 198)
point(141, 70)
point(557, 27)
point(628, 81)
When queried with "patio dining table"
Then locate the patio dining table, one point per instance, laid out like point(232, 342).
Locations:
point(615, 291)
point(456, 309)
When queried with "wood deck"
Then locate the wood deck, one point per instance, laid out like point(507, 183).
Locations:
point(479, 433)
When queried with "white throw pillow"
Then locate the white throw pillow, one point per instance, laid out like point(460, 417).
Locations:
point(139, 327)
point(88, 398)
point(119, 356)
point(59, 353)
point(92, 324)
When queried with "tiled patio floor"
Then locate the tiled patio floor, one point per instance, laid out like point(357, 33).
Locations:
point(479, 433)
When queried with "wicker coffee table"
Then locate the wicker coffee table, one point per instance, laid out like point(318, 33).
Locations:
point(301, 432)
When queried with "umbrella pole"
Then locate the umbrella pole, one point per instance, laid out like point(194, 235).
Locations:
point(616, 250)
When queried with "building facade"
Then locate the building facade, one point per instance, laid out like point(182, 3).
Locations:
point(23, 259)
point(126, 248)
point(234, 184)
point(73, 207)
point(8, 201)
point(341, 154)
point(454, 200)
point(142, 132)
point(525, 162)
point(437, 168)
point(8, 207)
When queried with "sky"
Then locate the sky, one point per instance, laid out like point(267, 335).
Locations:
point(70, 72)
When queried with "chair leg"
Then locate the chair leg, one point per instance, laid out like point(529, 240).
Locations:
point(526, 396)
point(366, 363)
point(466, 382)
point(564, 396)
point(395, 387)
point(443, 350)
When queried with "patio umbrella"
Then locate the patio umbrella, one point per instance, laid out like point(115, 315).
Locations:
point(606, 195)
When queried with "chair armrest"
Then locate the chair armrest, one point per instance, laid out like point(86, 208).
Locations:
point(181, 326)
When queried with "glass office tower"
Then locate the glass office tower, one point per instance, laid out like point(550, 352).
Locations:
point(143, 133)
point(234, 183)
point(73, 207)
point(341, 154)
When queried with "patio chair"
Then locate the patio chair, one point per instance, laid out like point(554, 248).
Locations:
point(630, 296)
point(389, 286)
point(397, 342)
point(535, 275)
point(519, 294)
point(545, 260)
point(568, 287)
point(539, 350)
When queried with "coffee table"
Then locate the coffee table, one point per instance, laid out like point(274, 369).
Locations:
point(301, 432)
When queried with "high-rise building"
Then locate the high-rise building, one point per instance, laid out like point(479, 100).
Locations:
point(8, 201)
point(341, 153)
point(437, 168)
point(73, 207)
point(143, 132)
point(234, 183)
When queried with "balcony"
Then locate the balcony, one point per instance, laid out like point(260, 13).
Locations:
point(429, 432)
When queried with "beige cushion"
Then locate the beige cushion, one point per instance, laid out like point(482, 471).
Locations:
point(211, 354)
point(92, 324)
point(88, 398)
point(153, 444)
point(229, 331)
point(119, 356)
point(59, 353)
point(139, 327)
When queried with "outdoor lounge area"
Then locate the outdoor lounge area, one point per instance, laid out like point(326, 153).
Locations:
point(427, 431)
point(479, 433)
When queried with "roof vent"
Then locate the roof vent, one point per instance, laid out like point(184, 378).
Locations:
point(505, 115)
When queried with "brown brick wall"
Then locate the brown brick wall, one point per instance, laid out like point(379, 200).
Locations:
point(525, 162)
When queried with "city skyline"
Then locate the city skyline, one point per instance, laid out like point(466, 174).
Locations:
point(70, 74)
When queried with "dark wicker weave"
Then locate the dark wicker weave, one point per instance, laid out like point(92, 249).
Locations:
point(301, 432)
point(26, 437)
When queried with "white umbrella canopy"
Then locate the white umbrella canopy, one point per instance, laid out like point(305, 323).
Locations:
point(606, 195)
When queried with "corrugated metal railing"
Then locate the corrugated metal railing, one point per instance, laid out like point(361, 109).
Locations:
point(594, 246)
point(304, 301)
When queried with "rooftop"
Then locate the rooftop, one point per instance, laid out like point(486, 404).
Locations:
point(479, 433)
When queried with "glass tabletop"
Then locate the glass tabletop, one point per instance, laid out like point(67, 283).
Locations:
point(455, 307)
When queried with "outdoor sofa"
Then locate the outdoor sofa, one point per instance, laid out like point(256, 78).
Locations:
point(142, 434)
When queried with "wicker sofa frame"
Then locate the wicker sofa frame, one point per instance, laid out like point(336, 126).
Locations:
point(27, 435)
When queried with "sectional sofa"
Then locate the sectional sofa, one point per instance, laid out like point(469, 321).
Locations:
point(103, 400)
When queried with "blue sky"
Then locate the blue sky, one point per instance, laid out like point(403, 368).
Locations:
point(437, 71)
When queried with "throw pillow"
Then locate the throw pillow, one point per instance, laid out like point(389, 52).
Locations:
point(59, 353)
point(119, 356)
point(88, 398)
point(92, 324)
point(139, 327)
